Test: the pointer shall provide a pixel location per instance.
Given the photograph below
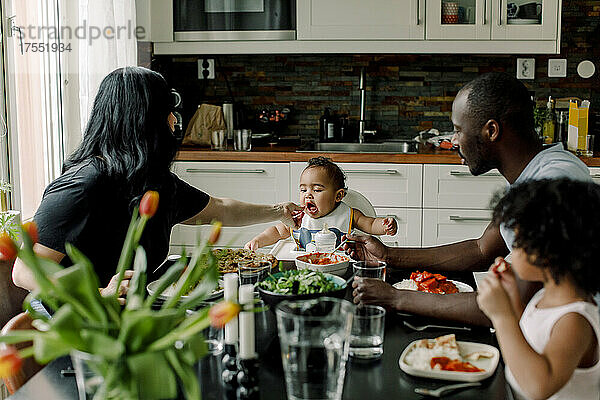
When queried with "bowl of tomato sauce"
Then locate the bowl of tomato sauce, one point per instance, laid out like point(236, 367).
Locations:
point(336, 264)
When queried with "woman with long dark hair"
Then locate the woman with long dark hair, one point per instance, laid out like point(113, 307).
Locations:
point(127, 149)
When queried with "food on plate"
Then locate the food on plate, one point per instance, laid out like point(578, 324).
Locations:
point(476, 355)
point(228, 259)
point(446, 364)
point(323, 258)
point(441, 353)
point(428, 282)
point(308, 282)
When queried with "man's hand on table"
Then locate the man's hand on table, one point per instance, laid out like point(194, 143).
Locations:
point(111, 288)
point(366, 248)
point(374, 291)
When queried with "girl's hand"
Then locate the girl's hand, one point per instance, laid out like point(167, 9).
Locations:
point(493, 299)
point(252, 245)
point(506, 274)
point(390, 226)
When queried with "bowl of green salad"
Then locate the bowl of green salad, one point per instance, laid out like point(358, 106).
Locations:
point(300, 285)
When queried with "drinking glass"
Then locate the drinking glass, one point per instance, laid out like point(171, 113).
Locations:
point(314, 336)
point(252, 272)
point(214, 337)
point(218, 139)
point(366, 338)
point(242, 140)
point(370, 269)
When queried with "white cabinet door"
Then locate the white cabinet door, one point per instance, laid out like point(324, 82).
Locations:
point(595, 172)
point(449, 226)
point(385, 185)
point(472, 21)
point(409, 226)
point(525, 20)
point(453, 186)
point(262, 183)
point(360, 20)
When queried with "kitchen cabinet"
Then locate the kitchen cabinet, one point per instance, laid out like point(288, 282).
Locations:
point(493, 20)
point(360, 20)
point(409, 226)
point(443, 226)
point(262, 183)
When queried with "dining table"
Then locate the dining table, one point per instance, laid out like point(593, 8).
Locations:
point(364, 380)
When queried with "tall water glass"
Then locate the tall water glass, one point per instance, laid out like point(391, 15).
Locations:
point(370, 269)
point(366, 339)
point(314, 336)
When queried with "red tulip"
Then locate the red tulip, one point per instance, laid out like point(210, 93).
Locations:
point(31, 229)
point(215, 233)
point(149, 204)
point(220, 314)
point(10, 362)
point(8, 248)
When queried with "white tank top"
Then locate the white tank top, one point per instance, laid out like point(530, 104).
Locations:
point(339, 221)
point(536, 325)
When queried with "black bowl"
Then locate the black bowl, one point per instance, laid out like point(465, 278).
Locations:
point(272, 298)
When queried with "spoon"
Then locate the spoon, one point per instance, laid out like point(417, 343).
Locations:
point(439, 392)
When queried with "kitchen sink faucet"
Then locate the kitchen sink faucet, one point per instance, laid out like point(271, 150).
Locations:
point(363, 106)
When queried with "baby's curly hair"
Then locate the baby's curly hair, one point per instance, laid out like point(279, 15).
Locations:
point(334, 172)
point(557, 224)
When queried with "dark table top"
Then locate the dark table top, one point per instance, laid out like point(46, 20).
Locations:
point(381, 379)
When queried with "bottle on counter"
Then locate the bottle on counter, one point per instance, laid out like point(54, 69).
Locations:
point(549, 122)
point(247, 376)
point(562, 127)
point(324, 125)
point(343, 124)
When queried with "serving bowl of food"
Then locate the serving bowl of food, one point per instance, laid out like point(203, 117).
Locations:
point(336, 264)
point(300, 285)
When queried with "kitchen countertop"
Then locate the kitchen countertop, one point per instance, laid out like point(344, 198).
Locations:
point(425, 155)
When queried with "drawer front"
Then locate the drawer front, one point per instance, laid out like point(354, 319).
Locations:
point(449, 226)
point(595, 172)
point(409, 226)
point(385, 185)
point(187, 236)
point(453, 186)
point(263, 183)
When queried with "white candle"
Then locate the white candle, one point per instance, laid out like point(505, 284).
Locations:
point(230, 284)
point(247, 349)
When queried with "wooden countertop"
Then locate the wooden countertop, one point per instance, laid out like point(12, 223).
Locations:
point(425, 155)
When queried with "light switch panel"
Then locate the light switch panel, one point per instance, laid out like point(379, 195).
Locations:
point(557, 68)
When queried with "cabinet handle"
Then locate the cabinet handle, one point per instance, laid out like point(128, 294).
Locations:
point(500, 13)
point(463, 173)
point(595, 176)
point(373, 172)
point(483, 18)
point(390, 216)
point(224, 171)
point(418, 21)
point(458, 218)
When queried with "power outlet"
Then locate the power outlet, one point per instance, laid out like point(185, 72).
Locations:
point(557, 68)
point(525, 68)
point(206, 68)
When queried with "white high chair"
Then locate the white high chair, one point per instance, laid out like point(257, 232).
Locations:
point(354, 199)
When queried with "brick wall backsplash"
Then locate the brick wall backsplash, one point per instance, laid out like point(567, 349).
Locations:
point(405, 93)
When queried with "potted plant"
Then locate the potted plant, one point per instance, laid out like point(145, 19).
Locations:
point(120, 352)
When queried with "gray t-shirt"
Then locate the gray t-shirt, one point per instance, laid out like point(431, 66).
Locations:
point(551, 163)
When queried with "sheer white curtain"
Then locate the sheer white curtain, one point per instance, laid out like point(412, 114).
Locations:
point(109, 43)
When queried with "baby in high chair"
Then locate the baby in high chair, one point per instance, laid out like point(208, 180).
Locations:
point(322, 188)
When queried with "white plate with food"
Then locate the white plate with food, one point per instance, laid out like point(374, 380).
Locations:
point(170, 291)
point(336, 264)
point(409, 284)
point(228, 259)
point(448, 359)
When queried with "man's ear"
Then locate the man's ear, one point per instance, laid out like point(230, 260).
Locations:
point(339, 195)
point(491, 130)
